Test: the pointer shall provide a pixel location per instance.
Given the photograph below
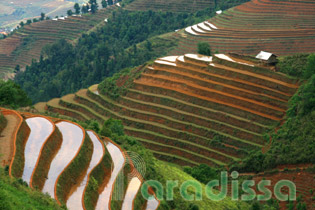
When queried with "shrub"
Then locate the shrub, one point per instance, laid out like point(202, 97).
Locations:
point(204, 48)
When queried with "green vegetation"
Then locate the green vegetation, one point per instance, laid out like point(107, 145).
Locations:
point(49, 151)
point(14, 195)
point(74, 173)
point(204, 48)
point(19, 158)
point(64, 68)
point(160, 171)
point(96, 179)
point(202, 173)
point(294, 141)
point(293, 65)
point(119, 83)
point(12, 96)
point(3, 122)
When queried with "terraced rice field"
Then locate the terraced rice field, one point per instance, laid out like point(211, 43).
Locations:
point(171, 5)
point(281, 27)
point(67, 171)
point(301, 177)
point(193, 109)
point(26, 44)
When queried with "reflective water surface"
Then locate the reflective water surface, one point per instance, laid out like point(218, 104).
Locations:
point(152, 204)
point(75, 200)
point(72, 139)
point(118, 161)
point(40, 128)
point(131, 193)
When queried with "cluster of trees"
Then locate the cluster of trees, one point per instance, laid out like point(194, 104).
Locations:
point(92, 7)
point(12, 96)
point(28, 22)
point(64, 68)
point(294, 142)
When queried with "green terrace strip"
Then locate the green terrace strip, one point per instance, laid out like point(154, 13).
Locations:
point(179, 140)
point(53, 106)
point(75, 171)
point(101, 102)
point(81, 107)
point(159, 107)
point(18, 159)
point(174, 102)
point(171, 120)
point(172, 148)
point(48, 152)
point(174, 158)
point(98, 178)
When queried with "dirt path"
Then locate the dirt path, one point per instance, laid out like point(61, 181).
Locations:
point(6, 139)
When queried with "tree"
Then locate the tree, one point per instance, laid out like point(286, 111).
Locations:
point(42, 16)
point(21, 23)
point(69, 12)
point(104, 4)
point(77, 8)
point(84, 9)
point(12, 95)
point(17, 68)
point(110, 2)
point(204, 48)
point(35, 20)
point(94, 6)
point(310, 67)
point(28, 22)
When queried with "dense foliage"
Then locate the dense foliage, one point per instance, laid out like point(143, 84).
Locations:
point(204, 48)
point(294, 142)
point(293, 65)
point(14, 195)
point(203, 173)
point(64, 68)
point(12, 96)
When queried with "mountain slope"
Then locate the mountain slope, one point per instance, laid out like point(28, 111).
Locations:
point(281, 27)
point(26, 44)
point(187, 109)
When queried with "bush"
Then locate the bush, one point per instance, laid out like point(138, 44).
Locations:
point(204, 48)
point(11, 95)
point(293, 65)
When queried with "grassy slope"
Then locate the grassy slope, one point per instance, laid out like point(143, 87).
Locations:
point(171, 172)
point(14, 195)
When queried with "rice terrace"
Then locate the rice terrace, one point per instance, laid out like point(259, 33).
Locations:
point(157, 105)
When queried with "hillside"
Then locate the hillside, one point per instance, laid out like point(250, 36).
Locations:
point(181, 5)
point(80, 169)
point(158, 105)
point(13, 12)
point(15, 195)
point(281, 27)
point(26, 44)
point(218, 110)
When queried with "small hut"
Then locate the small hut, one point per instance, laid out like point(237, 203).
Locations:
point(267, 58)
